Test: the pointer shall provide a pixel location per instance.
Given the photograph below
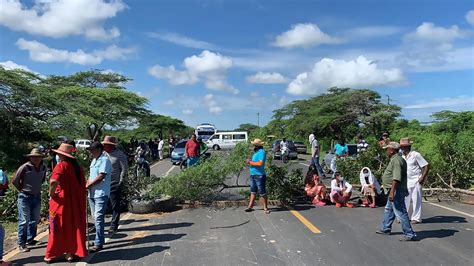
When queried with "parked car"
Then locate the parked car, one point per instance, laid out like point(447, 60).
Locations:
point(178, 152)
point(300, 147)
point(83, 143)
point(276, 153)
point(226, 140)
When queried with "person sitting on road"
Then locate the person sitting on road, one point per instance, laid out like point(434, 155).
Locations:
point(370, 187)
point(341, 191)
point(315, 188)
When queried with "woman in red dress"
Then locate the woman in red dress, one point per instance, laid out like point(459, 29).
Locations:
point(67, 208)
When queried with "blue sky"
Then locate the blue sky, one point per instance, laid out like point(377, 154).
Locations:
point(225, 61)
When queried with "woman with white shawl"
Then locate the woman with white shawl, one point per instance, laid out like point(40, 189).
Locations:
point(370, 187)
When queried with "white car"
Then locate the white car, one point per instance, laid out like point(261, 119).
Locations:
point(226, 140)
point(83, 143)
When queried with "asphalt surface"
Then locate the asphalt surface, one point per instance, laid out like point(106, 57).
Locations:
point(306, 235)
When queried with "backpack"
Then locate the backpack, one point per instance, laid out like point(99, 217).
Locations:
point(3, 181)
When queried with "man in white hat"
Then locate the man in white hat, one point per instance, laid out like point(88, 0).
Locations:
point(28, 179)
point(394, 181)
point(417, 173)
point(119, 173)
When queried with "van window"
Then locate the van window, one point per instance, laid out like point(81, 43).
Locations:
point(80, 142)
point(88, 143)
point(239, 136)
point(214, 137)
point(227, 137)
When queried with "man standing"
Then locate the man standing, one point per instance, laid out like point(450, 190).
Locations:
point(418, 169)
point(192, 150)
point(395, 185)
point(99, 190)
point(119, 162)
point(28, 179)
point(161, 144)
point(315, 155)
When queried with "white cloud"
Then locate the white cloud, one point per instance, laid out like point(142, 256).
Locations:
point(304, 35)
point(174, 77)
point(181, 40)
point(373, 31)
point(467, 101)
point(210, 102)
point(209, 66)
point(42, 53)
point(470, 17)
point(429, 32)
point(215, 110)
point(267, 78)
point(187, 111)
point(10, 65)
point(254, 94)
point(359, 73)
point(61, 18)
point(169, 102)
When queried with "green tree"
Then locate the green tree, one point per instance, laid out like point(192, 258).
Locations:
point(247, 127)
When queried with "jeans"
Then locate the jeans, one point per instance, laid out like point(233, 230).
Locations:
point(29, 208)
point(397, 209)
point(115, 198)
point(317, 166)
point(2, 237)
point(98, 206)
point(257, 184)
point(333, 167)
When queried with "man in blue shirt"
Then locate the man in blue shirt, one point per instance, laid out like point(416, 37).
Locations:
point(257, 175)
point(99, 190)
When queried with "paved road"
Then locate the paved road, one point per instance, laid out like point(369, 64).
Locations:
point(305, 236)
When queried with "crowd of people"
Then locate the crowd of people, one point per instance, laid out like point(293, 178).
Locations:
point(400, 188)
point(400, 185)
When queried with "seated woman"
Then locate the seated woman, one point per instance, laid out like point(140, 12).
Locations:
point(370, 187)
point(341, 191)
point(315, 188)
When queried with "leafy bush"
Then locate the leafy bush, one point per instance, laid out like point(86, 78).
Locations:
point(282, 184)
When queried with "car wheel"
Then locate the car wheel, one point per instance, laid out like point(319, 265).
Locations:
point(216, 147)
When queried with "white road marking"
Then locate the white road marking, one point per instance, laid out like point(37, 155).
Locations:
point(453, 210)
point(304, 164)
point(157, 163)
point(15, 252)
point(169, 171)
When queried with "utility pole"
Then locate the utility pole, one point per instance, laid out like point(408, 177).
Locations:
point(388, 99)
point(258, 119)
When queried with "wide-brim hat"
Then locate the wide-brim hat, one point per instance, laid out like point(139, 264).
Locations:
point(393, 145)
point(66, 150)
point(257, 142)
point(404, 142)
point(35, 153)
point(110, 140)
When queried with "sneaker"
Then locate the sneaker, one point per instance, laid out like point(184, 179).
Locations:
point(32, 243)
point(338, 205)
point(372, 205)
point(380, 232)
point(23, 249)
point(408, 239)
point(349, 205)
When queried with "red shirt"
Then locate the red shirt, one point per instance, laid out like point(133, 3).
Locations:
point(192, 148)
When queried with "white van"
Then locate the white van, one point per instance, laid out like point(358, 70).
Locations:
point(226, 140)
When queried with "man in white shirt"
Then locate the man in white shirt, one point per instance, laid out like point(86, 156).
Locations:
point(417, 171)
point(160, 149)
point(315, 155)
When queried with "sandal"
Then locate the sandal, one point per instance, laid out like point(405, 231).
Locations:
point(267, 211)
point(71, 258)
point(248, 210)
point(48, 261)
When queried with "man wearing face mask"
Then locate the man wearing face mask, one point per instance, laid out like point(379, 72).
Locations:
point(394, 181)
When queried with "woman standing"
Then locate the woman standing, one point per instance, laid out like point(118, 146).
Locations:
point(257, 175)
point(67, 208)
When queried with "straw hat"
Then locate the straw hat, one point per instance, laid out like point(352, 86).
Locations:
point(404, 142)
point(66, 150)
point(35, 153)
point(257, 142)
point(110, 140)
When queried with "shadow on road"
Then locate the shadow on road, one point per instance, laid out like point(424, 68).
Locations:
point(131, 254)
point(142, 240)
point(157, 227)
point(444, 219)
point(28, 260)
point(440, 233)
